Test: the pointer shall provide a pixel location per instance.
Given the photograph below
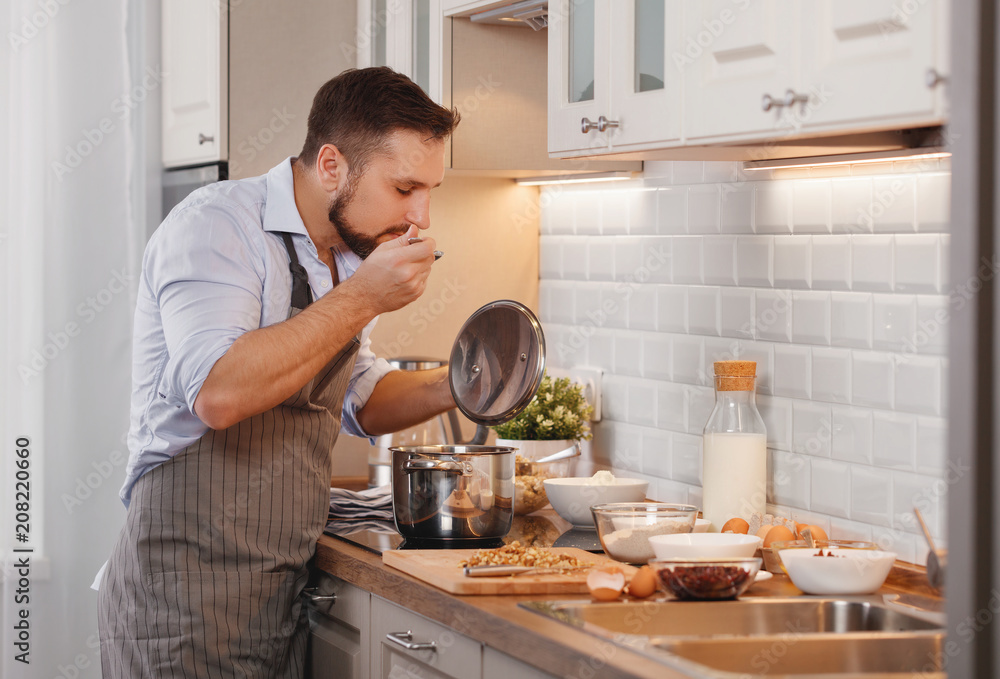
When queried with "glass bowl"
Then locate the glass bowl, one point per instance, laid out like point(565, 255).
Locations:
point(624, 528)
point(706, 579)
point(529, 487)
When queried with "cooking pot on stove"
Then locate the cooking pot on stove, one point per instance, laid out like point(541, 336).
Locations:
point(466, 491)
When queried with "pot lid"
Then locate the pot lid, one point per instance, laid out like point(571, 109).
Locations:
point(497, 362)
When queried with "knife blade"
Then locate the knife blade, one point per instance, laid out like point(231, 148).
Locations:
point(502, 569)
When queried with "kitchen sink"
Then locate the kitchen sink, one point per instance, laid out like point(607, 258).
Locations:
point(789, 637)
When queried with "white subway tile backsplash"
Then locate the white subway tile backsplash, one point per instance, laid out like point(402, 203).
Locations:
point(737, 315)
point(628, 353)
point(688, 171)
point(614, 307)
point(721, 172)
point(831, 375)
point(789, 479)
point(656, 457)
point(626, 450)
point(945, 263)
point(918, 263)
point(557, 215)
point(671, 406)
point(737, 208)
point(686, 259)
point(600, 259)
point(871, 263)
point(672, 308)
point(641, 301)
point(872, 379)
point(830, 487)
point(811, 206)
point(719, 256)
point(655, 261)
point(894, 204)
point(587, 212)
point(919, 384)
point(703, 310)
point(627, 256)
point(601, 350)
point(922, 492)
point(894, 321)
point(933, 202)
point(686, 462)
point(851, 205)
point(614, 398)
point(777, 415)
point(811, 428)
point(851, 319)
point(642, 403)
point(894, 440)
point(763, 354)
point(656, 356)
point(754, 255)
point(871, 495)
point(792, 262)
point(703, 209)
point(561, 302)
point(773, 207)
point(852, 435)
point(773, 310)
point(831, 263)
point(931, 440)
point(811, 317)
point(700, 403)
point(850, 530)
point(642, 217)
point(550, 257)
point(792, 366)
point(688, 362)
point(614, 213)
point(574, 259)
point(671, 210)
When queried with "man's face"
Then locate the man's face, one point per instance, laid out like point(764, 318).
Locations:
point(391, 194)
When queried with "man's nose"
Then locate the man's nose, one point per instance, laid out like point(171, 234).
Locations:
point(419, 213)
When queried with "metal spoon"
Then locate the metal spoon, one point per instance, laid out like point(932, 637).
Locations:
point(437, 253)
point(937, 559)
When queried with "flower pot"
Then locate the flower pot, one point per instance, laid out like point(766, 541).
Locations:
point(529, 491)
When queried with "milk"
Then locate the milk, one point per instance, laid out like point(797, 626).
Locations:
point(734, 476)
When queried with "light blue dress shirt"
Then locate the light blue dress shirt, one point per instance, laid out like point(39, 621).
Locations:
point(215, 269)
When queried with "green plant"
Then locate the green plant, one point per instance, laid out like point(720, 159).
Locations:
point(558, 411)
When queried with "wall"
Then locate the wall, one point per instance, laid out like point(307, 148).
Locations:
point(488, 230)
point(834, 281)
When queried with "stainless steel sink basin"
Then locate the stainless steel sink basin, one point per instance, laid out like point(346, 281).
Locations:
point(790, 637)
point(849, 655)
point(740, 617)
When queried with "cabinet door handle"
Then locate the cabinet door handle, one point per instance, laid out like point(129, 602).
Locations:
point(792, 98)
point(586, 125)
point(310, 593)
point(603, 123)
point(932, 78)
point(202, 139)
point(405, 639)
point(767, 102)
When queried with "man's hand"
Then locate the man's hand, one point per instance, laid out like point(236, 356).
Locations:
point(394, 275)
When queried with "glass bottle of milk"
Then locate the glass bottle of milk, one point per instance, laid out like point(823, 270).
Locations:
point(734, 449)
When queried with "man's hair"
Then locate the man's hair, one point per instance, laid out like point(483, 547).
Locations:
point(358, 110)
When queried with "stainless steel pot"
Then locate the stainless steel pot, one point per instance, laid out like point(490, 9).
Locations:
point(453, 492)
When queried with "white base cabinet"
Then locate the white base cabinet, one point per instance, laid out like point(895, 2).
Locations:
point(340, 632)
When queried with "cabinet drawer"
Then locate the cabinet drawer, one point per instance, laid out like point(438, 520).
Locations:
point(339, 632)
point(498, 665)
point(453, 654)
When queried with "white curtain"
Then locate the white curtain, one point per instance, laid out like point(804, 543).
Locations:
point(79, 159)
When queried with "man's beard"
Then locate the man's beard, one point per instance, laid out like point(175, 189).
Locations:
point(360, 244)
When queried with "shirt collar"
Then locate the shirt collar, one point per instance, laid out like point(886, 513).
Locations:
point(280, 213)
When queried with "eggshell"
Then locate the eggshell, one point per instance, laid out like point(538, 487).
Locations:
point(778, 534)
point(606, 583)
point(736, 525)
point(817, 532)
point(643, 583)
point(764, 530)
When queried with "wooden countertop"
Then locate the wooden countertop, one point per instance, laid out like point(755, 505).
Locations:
point(547, 644)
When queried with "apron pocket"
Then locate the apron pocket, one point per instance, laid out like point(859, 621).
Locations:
point(239, 623)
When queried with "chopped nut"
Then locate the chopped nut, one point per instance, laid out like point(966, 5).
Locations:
point(515, 554)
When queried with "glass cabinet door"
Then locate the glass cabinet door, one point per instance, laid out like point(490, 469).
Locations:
point(578, 73)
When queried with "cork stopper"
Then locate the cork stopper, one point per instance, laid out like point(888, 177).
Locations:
point(738, 375)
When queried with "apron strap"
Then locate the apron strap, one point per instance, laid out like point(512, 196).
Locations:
point(301, 294)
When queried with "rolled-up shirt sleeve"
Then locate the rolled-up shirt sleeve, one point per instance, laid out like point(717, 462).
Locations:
point(368, 370)
point(207, 279)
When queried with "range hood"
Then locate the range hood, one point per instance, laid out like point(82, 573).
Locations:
point(534, 13)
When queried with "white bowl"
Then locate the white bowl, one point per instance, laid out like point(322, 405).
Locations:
point(573, 497)
point(701, 525)
point(704, 545)
point(848, 571)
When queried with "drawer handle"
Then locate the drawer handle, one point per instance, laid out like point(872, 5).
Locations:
point(792, 98)
point(405, 639)
point(204, 139)
point(767, 102)
point(315, 598)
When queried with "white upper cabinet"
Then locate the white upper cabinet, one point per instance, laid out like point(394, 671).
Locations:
point(405, 35)
point(612, 81)
point(194, 82)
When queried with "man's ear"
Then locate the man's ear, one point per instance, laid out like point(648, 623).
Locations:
point(331, 168)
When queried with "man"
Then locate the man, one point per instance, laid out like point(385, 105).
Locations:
point(250, 346)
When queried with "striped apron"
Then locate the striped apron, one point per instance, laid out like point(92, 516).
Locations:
point(205, 578)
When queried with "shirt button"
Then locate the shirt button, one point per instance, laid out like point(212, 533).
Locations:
point(325, 284)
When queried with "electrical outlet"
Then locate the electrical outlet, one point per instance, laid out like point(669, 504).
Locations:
point(590, 378)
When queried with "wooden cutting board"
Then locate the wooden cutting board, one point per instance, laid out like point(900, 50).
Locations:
point(440, 567)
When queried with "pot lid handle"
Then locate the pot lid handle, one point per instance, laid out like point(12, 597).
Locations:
point(497, 362)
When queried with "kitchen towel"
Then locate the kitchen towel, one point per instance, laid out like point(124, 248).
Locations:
point(374, 503)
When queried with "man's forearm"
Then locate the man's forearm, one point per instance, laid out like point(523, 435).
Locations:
point(402, 399)
point(266, 366)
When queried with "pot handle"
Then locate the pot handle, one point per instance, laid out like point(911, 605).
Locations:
point(446, 466)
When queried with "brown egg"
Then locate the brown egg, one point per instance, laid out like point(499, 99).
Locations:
point(643, 583)
point(778, 534)
point(736, 525)
point(764, 530)
point(606, 583)
point(817, 532)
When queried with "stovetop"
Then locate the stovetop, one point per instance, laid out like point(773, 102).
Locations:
point(535, 530)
